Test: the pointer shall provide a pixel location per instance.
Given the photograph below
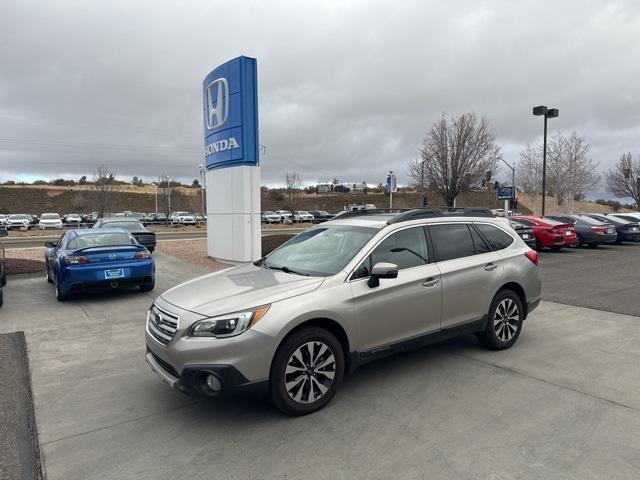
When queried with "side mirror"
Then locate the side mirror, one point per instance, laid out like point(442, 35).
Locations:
point(49, 244)
point(4, 232)
point(382, 270)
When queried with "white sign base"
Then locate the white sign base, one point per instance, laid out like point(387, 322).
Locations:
point(233, 214)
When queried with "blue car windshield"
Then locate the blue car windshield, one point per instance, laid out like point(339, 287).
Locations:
point(100, 240)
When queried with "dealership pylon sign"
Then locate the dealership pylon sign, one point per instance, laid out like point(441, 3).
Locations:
point(230, 120)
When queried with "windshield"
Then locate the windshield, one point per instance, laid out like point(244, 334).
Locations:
point(100, 240)
point(18, 217)
point(50, 216)
point(322, 251)
point(130, 226)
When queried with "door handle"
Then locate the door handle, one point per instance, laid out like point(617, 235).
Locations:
point(430, 282)
point(490, 267)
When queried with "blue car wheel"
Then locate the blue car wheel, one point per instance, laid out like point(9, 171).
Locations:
point(61, 293)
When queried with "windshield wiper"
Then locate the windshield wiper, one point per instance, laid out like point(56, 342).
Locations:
point(286, 269)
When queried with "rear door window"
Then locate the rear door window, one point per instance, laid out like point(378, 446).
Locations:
point(451, 241)
point(497, 238)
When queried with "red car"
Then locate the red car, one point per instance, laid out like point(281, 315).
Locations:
point(549, 233)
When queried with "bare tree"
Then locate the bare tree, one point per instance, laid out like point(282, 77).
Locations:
point(623, 179)
point(164, 191)
point(293, 186)
point(456, 155)
point(529, 172)
point(104, 182)
point(580, 168)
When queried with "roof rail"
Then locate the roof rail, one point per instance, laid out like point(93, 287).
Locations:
point(415, 214)
point(371, 211)
point(470, 212)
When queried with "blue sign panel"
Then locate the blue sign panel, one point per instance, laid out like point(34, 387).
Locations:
point(230, 98)
point(504, 193)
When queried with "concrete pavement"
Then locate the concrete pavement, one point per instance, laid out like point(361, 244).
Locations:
point(563, 403)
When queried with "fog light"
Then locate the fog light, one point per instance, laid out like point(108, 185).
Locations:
point(213, 383)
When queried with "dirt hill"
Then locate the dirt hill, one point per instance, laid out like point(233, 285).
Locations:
point(36, 199)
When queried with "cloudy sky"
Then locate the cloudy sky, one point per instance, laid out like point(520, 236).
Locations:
point(347, 89)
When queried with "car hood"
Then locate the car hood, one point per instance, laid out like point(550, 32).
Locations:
point(52, 220)
point(238, 288)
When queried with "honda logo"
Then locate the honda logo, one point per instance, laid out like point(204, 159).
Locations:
point(217, 103)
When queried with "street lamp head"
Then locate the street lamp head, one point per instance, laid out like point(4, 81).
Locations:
point(552, 113)
point(541, 110)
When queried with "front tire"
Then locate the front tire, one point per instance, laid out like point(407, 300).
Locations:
point(504, 322)
point(306, 372)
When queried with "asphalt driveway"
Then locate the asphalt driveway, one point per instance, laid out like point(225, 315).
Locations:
point(563, 403)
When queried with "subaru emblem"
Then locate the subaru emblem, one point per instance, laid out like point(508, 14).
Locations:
point(112, 256)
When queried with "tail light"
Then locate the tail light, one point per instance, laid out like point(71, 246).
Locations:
point(142, 255)
point(75, 259)
point(599, 229)
point(532, 255)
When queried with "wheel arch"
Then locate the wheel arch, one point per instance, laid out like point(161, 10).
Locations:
point(330, 325)
point(518, 290)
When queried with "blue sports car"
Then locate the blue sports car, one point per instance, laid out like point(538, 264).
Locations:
point(94, 260)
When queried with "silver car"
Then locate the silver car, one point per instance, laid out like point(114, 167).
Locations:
point(338, 295)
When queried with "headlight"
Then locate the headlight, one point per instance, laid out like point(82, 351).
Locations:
point(228, 325)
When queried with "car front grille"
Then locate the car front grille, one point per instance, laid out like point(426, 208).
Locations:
point(162, 325)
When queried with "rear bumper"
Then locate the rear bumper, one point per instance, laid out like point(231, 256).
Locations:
point(531, 306)
point(105, 285)
point(89, 274)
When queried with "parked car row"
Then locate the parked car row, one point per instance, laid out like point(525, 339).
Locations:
point(299, 216)
point(577, 230)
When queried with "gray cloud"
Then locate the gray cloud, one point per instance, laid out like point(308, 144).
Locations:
point(346, 89)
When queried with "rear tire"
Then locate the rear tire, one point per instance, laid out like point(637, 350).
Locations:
point(61, 297)
point(306, 371)
point(555, 248)
point(148, 287)
point(1, 297)
point(538, 245)
point(593, 245)
point(579, 241)
point(504, 322)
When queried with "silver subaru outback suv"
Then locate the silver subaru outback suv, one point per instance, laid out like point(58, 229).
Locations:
point(354, 289)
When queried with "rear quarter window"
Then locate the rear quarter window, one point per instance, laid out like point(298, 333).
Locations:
point(498, 239)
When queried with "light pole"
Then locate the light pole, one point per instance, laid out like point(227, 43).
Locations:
point(202, 178)
point(547, 113)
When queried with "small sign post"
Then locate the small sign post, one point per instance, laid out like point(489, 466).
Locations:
point(392, 187)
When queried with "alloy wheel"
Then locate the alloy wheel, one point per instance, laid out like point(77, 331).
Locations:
point(506, 319)
point(310, 372)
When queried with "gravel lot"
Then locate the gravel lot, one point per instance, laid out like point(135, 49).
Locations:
point(192, 251)
point(25, 260)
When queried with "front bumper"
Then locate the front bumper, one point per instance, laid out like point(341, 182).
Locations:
point(242, 363)
point(192, 379)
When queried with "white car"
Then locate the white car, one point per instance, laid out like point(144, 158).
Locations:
point(302, 216)
point(50, 220)
point(18, 221)
point(73, 219)
point(284, 214)
point(271, 217)
point(182, 218)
